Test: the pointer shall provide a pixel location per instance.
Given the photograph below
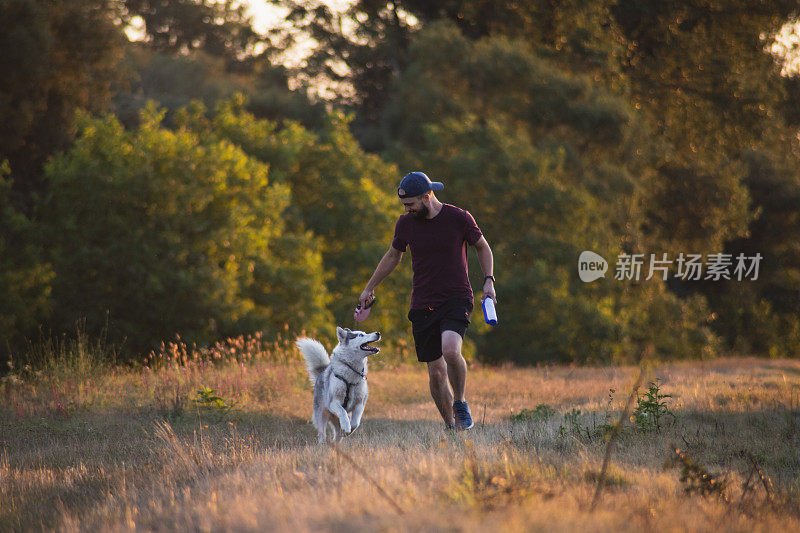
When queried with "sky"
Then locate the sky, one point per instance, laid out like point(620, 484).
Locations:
point(266, 16)
point(787, 44)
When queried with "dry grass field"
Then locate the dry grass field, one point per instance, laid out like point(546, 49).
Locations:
point(88, 446)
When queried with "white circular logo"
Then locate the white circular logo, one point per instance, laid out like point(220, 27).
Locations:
point(591, 266)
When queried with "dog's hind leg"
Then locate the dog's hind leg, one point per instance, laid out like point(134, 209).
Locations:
point(326, 422)
point(335, 430)
point(320, 421)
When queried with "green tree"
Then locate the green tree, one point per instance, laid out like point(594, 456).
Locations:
point(697, 76)
point(175, 80)
point(702, 75)
point(222, 29)
point(363, 48)
point(550, 165)
point(24, 275)
point(55, 57)
point(340, 193)
point(763, 316)
point(165, 232)
point(370, 40)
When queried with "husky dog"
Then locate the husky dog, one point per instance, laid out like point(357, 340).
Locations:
point(340, 382)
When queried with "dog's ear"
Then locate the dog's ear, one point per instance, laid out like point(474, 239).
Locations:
point(342, 334)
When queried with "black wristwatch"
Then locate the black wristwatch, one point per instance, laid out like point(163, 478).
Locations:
point(489, 277)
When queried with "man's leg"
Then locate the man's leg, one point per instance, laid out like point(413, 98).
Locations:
point(456, 365)
point(457, 372)
point(440, 391)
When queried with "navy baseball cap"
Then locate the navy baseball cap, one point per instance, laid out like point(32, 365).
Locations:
point(416, 183)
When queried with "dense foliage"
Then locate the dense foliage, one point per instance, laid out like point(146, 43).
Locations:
point(187, 184)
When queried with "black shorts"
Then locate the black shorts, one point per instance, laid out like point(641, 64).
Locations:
point(428, 324)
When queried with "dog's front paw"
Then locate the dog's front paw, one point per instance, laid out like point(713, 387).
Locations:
point(352, 430)
point(346, 429)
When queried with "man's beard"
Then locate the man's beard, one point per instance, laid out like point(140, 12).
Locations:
point(421, 213)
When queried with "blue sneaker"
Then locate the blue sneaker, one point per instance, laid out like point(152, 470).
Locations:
point(462, 415)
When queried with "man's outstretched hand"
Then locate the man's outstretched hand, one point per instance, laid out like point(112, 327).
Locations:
point(366, 298)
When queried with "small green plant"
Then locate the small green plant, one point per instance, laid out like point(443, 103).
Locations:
point(651, 409)
point(573, 418)
point(540, 413)
point(572, 423)
point(207, 397)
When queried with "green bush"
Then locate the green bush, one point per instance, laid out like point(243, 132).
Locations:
point(157, 233)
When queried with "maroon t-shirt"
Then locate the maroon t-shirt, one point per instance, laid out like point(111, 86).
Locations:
point(438, 254)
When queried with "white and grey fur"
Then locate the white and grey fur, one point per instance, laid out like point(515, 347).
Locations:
point(340, 381)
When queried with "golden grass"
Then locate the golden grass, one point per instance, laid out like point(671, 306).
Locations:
point(86, 447)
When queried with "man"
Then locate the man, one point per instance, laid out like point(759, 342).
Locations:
point(441, 297)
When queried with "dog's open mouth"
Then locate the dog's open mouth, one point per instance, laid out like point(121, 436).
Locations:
point(371, 349)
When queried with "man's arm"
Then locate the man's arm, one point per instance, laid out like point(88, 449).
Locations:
point(486, 261)
point(388, 262)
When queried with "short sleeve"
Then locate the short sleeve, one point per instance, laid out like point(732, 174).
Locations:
point(472, 231)
point(399, 242)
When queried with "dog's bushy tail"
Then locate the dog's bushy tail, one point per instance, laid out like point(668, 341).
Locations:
point(315, 355)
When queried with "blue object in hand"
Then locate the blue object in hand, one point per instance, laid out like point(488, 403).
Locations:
point(489, 312)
